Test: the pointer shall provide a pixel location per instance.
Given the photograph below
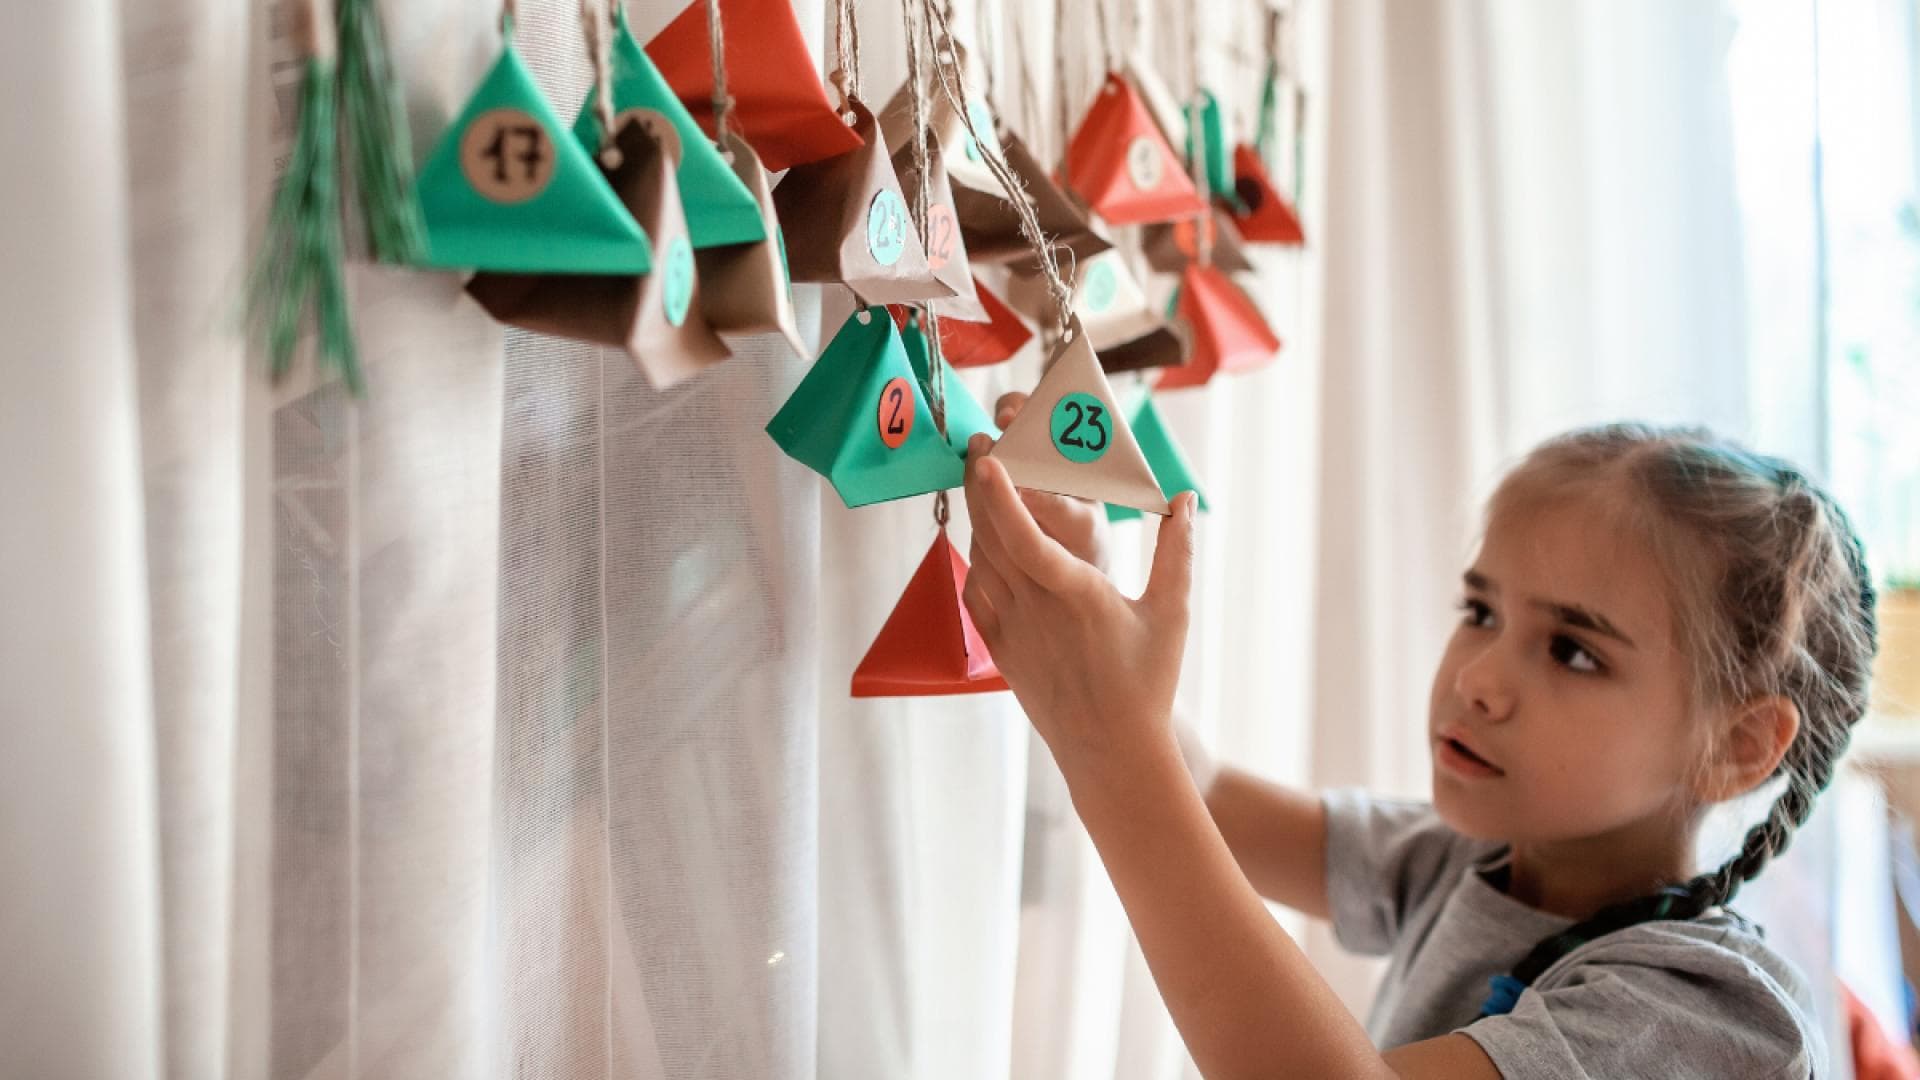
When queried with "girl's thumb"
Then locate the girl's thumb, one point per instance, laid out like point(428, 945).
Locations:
point(1171, 579)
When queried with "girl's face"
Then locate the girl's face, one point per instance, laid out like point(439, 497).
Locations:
point(1561, 708)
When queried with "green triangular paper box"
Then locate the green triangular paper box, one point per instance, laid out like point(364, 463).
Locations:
point(719, 208)
point(1119, 474)
point(840, 418)
point(964, 414)
point(1163, 457)
point(547, 208)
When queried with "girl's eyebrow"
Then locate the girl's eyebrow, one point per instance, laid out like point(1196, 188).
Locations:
point(1571, 614)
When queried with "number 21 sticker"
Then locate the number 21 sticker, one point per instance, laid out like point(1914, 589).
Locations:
point(896, 412)
point(1081, 430)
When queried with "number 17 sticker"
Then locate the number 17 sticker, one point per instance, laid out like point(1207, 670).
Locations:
point(1081, 430)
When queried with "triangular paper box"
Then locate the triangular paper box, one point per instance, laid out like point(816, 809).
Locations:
point(965, 417)
point(1170, 246)
point(719, 208)
point(1120, 163)
point(1071, 440)
point(860, 418)
point(744, 287)
point(1163, 346)
point(946, 250)
point(655, 317)
point(847, 221)
point(1204, 120)
point(966, 164)
point(968, 345)
point(1106, 297)
point(1163, 456)
point(1229, 333)
point(1167, 114)
point(508, 189)
point(779, 101)
point(1263, 215)
point(991, 227)
point(928, 645)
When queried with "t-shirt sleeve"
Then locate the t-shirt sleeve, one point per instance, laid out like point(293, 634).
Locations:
point(1653, 1004)
point(1383, 857)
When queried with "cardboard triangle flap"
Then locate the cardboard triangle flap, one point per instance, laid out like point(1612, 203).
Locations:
point(847, 222)
point(779, 102)
point(1170, 246)
point(859, 417)
point(1120, 163)
point(928, 646)
point(946, 250)
point(718, 207)
point(506, 188)
point(1226, 320)
point(1165, 345)
point(1262, 213)
point(967, 345)
point(1163, 455)
point(1106, 296)
point(1072, 439)
point(744, 287)
point(964, 416)
point(991, 227)
point(655, 317)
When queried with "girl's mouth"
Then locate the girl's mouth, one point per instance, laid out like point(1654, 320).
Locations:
point(1458, 758)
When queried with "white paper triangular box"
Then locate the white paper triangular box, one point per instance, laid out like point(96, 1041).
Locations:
point(1050, 446)
point(1107, 298)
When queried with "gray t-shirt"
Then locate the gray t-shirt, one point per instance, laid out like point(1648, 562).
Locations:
point(1701, 998)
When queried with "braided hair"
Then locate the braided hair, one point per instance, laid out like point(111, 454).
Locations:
point(1776, 599)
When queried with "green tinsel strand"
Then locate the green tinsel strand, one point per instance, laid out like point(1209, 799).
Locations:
point(377, 134)
point(300, 257)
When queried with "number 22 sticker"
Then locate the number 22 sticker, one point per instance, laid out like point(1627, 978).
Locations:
point(896, 412)
point(1081, 429)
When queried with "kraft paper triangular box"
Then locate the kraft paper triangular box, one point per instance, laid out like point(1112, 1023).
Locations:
point(1107, 298)
point(1263, 215)
point(1120, 164)
point(507, 189)
point(1163, 346)
point(779, 101)
point(946, 250)
point(655, 317)
point(860, 419)
point(744, 287)
point(1170, 246)
point(991, 227)
point(1204, 120)
point(1071, 440)
point(1163, 457)
point(847, 221)
point(929, 645)
point(719, 208)
point(968, 345)
point(966, 165)
point(965, 417)
point(1229, 333)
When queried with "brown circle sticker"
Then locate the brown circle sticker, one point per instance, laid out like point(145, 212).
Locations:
point(896, 412)
point(656, 124)
point(943, 235)
point(506, 155)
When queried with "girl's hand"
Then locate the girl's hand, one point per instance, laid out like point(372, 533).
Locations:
point(1094, 670)
point(1080, 525)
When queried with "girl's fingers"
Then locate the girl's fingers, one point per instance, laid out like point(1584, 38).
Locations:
point(986, 595)
point(1171, 579)
point(1008, 407)
point(1028, 550)
point(986, 538)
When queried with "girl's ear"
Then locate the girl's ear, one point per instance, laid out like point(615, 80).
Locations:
point(1754, 738)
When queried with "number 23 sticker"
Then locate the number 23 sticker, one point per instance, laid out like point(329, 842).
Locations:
point(896, 412)
point(1081, 429)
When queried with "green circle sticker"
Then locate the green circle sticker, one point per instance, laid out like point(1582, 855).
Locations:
point(676, 289)
point(1102, 284)
point(982, 123)
point(887, 227)
point(1082, 430)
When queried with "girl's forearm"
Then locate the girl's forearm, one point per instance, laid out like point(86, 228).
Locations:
point(1245, 998)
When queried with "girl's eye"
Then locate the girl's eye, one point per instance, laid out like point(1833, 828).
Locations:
point(1477, 613)
point(1574, 655)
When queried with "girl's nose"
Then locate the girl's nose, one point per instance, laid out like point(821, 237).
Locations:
point(1484, 684)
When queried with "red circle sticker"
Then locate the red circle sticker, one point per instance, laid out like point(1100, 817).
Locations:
point(943, 232)
point(896, 412)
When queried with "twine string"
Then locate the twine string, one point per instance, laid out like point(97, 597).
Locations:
point(599, 47)
point(917, 92)
point(717, 45)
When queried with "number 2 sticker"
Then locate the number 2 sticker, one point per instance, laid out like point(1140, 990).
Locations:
point(896, 412)
point(1081, 428)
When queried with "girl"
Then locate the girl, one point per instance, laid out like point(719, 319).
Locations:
point(1655, 622)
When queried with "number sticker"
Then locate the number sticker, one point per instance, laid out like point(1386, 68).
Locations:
point(676, 289)
point(1102, 284)
point(887, 227)
point(982, 123)
point(1143, 163)
point(943, 230)
point(506, 155)
point(657, 126)
point(896, 412)
point(1081, 428)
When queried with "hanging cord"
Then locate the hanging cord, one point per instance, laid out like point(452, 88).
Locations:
point(946, 70)
point(717, 45)
point(1105, 29)
point(599, 50)
point(1061, 105)
point(917, 91)
point(509, 14)
point(846, 76)
point(985, 30)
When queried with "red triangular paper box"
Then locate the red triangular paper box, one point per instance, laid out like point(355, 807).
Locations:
point(1122, 166)
point(1229, 333)
point(967, 345)
point(929, 645)
point(778, 99)
point(1262, 213)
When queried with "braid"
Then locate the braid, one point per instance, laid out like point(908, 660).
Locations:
point(1809, 637)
